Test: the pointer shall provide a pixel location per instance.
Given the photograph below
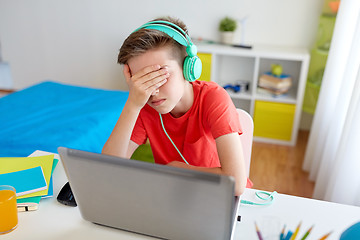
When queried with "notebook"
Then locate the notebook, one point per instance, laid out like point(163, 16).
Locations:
point(12, 164)
point(151, 199)
point(25, 181)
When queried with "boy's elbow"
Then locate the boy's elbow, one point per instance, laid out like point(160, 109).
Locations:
point(239, 190)
point(105, 150)
point(240, 185)
point(109, 151)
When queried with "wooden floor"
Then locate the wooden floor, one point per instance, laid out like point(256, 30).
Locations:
point(279, 168)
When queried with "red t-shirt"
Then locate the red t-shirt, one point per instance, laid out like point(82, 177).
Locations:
point(212, 115)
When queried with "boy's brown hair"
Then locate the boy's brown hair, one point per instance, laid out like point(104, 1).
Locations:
point(139, 42)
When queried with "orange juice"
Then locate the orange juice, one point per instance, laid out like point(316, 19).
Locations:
point(8, 209)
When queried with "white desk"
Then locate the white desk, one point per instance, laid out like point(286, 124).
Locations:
point(55, 221)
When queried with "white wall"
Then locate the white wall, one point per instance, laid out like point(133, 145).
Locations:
point(77, 41)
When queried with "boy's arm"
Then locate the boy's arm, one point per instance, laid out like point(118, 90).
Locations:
point(119, 143)
point(231, 159)
point(141, 85)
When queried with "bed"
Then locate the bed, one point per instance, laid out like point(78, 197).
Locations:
point(50, 114)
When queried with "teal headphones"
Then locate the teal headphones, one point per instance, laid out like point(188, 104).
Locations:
point(192, 64)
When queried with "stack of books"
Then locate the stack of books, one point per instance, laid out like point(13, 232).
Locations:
point(30, 176)
point(273, 84)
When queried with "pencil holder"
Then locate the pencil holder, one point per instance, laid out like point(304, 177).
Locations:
point(352, 232)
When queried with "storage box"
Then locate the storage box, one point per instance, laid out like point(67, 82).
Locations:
point(325, 31)
point(273, 120)
point(310, 97)
point(206, 66)
point(317, 66)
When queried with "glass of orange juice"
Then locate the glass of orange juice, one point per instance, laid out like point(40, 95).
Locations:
point(8, 209)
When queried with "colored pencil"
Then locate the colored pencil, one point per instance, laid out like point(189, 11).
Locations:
point(282, 233)
point(296, 232)
point(307, 233)
point(288, 235)
point(258, 232)
point(325, 236)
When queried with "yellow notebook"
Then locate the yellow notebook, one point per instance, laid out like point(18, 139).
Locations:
point(12, 164)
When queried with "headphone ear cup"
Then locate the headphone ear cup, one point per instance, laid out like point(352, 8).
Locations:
point(192, 68)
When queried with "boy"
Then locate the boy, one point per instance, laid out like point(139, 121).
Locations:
point(190, 124)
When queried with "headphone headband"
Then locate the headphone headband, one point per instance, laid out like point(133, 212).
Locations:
point(174, 31)
point(192, 64)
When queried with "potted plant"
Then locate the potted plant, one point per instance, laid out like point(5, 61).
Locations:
point(227, 28)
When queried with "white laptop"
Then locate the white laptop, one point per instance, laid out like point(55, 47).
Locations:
point(151, 199)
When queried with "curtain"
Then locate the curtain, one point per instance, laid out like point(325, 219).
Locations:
point(333, 152)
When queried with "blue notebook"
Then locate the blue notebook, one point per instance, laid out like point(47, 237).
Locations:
point(51, 184)
point(25, 181)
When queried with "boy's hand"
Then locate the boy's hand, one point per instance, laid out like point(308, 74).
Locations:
point(178, 164)
point(144, 83)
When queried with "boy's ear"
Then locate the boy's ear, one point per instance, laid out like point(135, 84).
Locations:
point(127, 71)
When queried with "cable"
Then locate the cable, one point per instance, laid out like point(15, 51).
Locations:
point(268, 199)
point(269, 196)
point(163, 127)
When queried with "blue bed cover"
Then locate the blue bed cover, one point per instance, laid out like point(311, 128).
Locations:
point(49, 114)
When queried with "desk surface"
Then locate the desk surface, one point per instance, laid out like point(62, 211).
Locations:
point(55, 221)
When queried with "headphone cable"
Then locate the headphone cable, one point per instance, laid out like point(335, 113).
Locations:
point(163, 127)
point(267, 198)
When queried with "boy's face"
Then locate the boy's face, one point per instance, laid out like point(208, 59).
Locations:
point(169, 96)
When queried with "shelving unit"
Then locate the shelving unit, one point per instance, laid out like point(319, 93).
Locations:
point(319, 54)
point(276, 119)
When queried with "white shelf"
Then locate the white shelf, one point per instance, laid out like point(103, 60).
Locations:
point(289, 97)
point(232, 64)
point(245, 95)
